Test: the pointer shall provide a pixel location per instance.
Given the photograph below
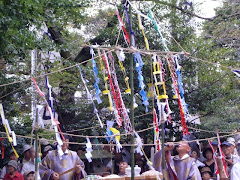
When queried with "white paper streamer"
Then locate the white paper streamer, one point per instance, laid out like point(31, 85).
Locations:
point(88, 150)
point(14, 138)
point(2, 114)
point(139, 144)
point(8, 127)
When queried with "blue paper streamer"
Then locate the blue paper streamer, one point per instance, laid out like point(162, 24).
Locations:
point(139, 64)
point(95, 70)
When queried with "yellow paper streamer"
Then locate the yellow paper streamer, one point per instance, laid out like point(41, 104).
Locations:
point(106, 91)
point(8, 135)
point(126, 78)
point(141, 28)
point(157, 71)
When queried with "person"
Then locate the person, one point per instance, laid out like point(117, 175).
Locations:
point(208, 154)
point(29, 175)
point(196, 154)
point(46, 150)
point(181, 166)
point(235, 172)
point(206, 173)
point(122, 168)
point(230, 159)
point(12, 156)
point(233, 149)
point(26, 153)
point(30, 165)
point(60, 161)
point(113, 165)
point(13, 172)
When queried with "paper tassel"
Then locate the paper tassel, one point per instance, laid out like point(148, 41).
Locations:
point(139, 65)
point(7, 128)
point(89, 150)
point(89, 94)
point(118, 116)
point(105, 78)
point(95, 70)
point(122, 108)
point(139, 144)
point(2, 148)
point(54, 122)
point(126, 36)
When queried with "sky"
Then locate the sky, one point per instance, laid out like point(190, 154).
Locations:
point(207, 7)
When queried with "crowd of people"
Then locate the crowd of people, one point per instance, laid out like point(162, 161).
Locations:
point(182, 161)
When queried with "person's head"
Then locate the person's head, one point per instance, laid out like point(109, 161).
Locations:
point(12, 166)
point(215, 145)
point(122, 167)
point(65, 143)
point(118, 156)
point(26, 151)
point(29, 175)
point(232, 146)
point(12, 155)
point(32, 153)
point(206, 173)
point(183, 148)
point(80, 151)
point(195, 153)
point(226, 148)
point(208, 154)
point(46, 150)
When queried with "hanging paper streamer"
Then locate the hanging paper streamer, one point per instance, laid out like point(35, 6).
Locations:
point(172, 70)
point(106, 91)
point(222, 156)
point(139, 65)
point(181, 90)
point(95, 70)
point(122, 108)
point(121, 58)
point(156, 27)
point(236, 72)
point(130, 26)
point(12, 140)
point(160, 88)
point(150, 93)
point(156, 129)
point(2, 148)
point(215, 161)
point(126, 36)
point(142, 29)
point(90, 96)
point(55, 123)
point(89, 150)
point(139, 144)
point(116, 134)
point(115, 97)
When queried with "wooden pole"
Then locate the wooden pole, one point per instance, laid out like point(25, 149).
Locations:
point(36, 145)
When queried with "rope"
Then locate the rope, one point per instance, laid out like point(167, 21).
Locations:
point(76, 143)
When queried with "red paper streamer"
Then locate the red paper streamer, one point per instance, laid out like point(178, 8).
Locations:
point(174, 79)
point(42, 95)
point(2, 148)
point(112, 87)
point(122, 26)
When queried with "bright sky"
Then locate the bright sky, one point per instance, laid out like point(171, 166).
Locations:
point(207, 7)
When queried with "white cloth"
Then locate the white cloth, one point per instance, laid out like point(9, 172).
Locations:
point(235, 172)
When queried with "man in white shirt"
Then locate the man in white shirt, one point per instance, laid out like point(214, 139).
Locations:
point(235, 172)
